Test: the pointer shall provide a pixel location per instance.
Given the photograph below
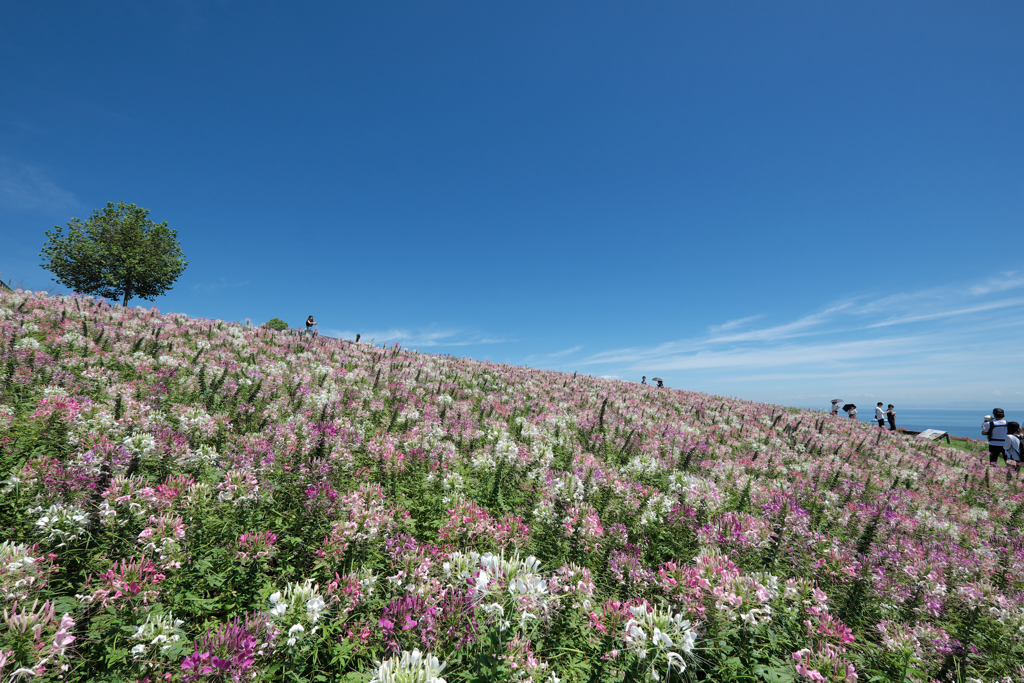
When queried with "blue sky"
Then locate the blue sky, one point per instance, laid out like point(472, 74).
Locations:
point(781, 201)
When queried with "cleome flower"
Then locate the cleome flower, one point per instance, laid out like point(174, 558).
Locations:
point(409, 667)
point(156, 637)
point(298, 603)
point(652, 634)
point(61, 523)
point(22, 570)
point(161, 424)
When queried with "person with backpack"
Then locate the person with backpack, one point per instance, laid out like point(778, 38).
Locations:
point(1013, 437)
point(995, 429)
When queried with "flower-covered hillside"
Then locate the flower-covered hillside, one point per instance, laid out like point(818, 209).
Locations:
point(194, 500)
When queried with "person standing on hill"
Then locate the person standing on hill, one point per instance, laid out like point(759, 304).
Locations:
point(1012, 443)
point(309, 324)
point(880, 415)
point(996, 431)
point(891, 414)
point(835, 407)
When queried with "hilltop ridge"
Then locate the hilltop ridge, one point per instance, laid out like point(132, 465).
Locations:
point(273, 503)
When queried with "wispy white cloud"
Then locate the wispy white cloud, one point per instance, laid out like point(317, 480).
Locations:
point(733, 324)
point(550, 359)
point(951, 342)
point(1007, 303)
point(28, 188)
point(797, 328)
point(1006, 281)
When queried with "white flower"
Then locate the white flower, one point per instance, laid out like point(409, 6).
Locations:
point(677, 661)
point(298, 595)
point(409, 667)
point(23, 672)
point(314, 606)
point(668, 633)
point(161, 630)
point(659, 638)
point(635, 632)
point(531, 585)
point(279, 606)
point(297, 628)
point(62, 522)
point(140, 444)
point(493, 608)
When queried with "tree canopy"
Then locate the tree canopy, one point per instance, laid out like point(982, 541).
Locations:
point(119, 253)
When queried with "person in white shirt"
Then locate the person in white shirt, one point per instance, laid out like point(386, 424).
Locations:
point(1013, 443)
point(996, 431)
point(835, 407)
point(880, 415)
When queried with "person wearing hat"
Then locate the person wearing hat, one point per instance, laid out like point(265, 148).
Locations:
point(996, 431)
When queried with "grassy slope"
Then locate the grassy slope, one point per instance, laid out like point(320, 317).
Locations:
point(165, 464)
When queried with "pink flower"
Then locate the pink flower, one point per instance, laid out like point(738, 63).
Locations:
point(810, 674)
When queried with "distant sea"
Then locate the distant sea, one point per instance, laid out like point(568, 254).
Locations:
point(956, 422)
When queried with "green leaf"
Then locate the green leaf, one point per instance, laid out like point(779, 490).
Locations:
point(776, 674)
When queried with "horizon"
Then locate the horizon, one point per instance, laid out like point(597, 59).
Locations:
point(783, 203)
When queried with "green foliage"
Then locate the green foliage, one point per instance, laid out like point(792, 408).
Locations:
point(119, 253)
point(276, 324)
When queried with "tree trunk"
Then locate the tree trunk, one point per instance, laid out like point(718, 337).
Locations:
point(125, 304)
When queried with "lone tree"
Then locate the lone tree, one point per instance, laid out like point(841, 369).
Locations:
point(276, 324)
point(118, 253)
